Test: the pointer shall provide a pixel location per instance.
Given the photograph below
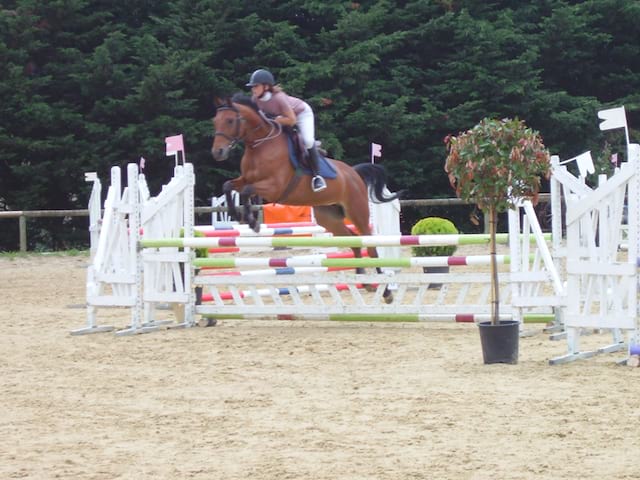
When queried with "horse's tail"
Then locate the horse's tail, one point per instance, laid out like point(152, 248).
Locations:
point(375, 177)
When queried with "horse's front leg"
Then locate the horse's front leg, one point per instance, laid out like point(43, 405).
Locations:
point(248, 215)
point(227, 188)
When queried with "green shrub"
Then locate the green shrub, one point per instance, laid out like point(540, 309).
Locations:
point(200, 252)
point(434, 226)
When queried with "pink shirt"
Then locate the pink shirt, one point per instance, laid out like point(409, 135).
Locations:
point(278, 102)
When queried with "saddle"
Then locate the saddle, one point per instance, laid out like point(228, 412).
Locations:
point(297, 145)
point(299, 157)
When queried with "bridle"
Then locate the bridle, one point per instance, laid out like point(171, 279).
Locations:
point(237, 136)
point(233, 140)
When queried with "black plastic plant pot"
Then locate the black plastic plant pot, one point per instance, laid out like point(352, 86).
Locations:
point(500, 342)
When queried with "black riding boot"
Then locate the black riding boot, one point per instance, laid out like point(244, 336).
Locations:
point(317, 182)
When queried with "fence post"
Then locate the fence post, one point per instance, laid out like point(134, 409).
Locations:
point(22, 227)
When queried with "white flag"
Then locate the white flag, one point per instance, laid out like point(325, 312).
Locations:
point(376, 151)
point(585, 163)
point(612, 118)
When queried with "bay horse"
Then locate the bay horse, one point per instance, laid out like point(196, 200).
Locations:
point(267, 172)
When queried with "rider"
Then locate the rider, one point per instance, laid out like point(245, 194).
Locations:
point(288, 111)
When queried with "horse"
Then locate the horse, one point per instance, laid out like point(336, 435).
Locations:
point(267, 173)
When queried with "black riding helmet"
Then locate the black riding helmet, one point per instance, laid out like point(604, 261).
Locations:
point(261, 76)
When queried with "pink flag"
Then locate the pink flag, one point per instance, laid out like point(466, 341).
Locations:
point(174, 144)
point(376, 151)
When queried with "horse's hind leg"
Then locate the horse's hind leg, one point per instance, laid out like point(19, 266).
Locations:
point(360, 219)
point(332, 218)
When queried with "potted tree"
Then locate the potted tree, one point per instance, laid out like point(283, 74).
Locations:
point(496, 164)
point(434, 226)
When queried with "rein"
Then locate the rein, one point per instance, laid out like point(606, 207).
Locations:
point(273, 125)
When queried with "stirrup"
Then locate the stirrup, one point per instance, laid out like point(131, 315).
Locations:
point(318, 184)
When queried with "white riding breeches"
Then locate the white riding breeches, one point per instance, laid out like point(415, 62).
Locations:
point(306, 127)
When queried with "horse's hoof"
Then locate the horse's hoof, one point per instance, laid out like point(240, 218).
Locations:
point(207, 322)
point(387, 295)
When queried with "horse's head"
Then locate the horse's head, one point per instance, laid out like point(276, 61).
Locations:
point(236, 119)
point(227, 124)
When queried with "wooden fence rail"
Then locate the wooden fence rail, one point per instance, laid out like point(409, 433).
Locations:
point(22, 215)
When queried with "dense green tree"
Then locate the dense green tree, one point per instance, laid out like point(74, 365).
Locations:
point(87, 84)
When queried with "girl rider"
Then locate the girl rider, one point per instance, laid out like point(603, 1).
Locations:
point(288, 111)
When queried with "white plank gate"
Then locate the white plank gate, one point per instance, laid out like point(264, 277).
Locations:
point(602, 280)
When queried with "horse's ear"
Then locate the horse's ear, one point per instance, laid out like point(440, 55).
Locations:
point(219, 102)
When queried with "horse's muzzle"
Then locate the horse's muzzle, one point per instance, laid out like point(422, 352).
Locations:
point(220, 154)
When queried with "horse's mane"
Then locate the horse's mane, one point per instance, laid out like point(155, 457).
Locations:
point(245, 100)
